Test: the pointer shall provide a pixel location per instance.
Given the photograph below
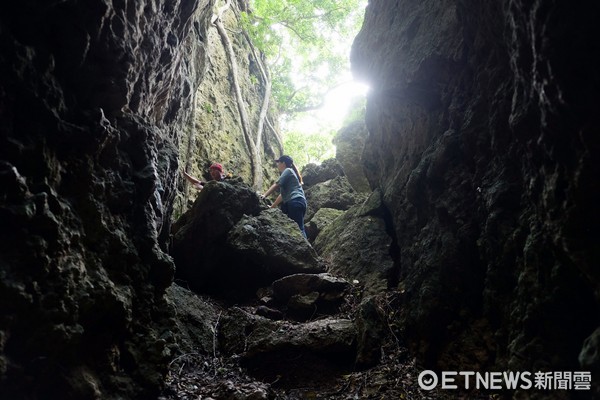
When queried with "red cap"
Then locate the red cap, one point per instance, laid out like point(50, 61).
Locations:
point(217, 166)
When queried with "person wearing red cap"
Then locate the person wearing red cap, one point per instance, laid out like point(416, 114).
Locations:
point(291, 197)
point(215, 171)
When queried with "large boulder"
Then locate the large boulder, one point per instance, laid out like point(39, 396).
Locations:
point(272, 246)
point(195, 320)
point(316, 173)
point(229, 244)
point(335, 193)
point(285, 351)
point(320, 220)
point(310, 295)
point(198, 243)
point(358, 246)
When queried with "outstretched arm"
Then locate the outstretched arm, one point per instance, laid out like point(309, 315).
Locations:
point(195, 182)
point(276, 202)
point(271, 189)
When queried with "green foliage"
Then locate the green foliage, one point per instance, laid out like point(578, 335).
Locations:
point(207, 107)
point(307, 148)
point(306, 45)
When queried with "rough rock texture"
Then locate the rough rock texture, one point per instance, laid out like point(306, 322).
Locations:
point(484, 142)
point(91, 99)
point(229, 244)
point(323, 217)
point(349, 145)
point(335, 193)
point(589, 358)
point(357, 245)
point(317, 173)
point(330, 286)
point(310, 295)
point(371, 329)
point(195, 319)
point(292, 352)
point(198, 243)
point(272, 242)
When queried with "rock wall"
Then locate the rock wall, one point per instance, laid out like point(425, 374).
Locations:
point(93, 97)
point(215, 134)
point(349, 144)
point(482, 140)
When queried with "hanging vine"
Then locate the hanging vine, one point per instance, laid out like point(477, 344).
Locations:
point(253, 139)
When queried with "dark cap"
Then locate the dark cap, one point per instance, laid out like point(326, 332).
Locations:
point(287, 160)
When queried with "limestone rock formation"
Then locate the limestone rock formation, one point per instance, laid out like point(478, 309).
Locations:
point(323, 217)
point(230, 244)
point(198, 244)
point(349, 145)
point(91, 99)
point(335, 193)
point(482, 144)
point(273, 243)
point(195, 321)
point(291, 351)
point(310, 295)
point(357, 246)
point(317, 173)
point(481, 140)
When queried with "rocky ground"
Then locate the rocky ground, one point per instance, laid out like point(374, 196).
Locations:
point(197, 375)
point(282, 327)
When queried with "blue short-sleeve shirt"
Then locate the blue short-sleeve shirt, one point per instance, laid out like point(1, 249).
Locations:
point(290, 186)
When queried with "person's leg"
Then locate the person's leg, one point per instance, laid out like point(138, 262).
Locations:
point(296, 211)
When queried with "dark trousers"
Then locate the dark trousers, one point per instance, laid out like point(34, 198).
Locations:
point(296, 209)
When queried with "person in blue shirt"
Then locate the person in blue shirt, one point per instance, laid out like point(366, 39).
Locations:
point(291, 197)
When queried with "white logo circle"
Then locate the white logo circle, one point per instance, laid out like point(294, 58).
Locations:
point(428, 380)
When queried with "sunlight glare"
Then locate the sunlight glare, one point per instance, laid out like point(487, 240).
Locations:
point(338, 101)
point(333, 112)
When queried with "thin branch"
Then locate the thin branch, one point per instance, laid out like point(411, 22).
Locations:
point(277, 136)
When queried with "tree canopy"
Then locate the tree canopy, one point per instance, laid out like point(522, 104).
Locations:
point(306, 46)
point(311, 147)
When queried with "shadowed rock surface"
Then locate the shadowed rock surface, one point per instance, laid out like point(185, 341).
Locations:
point(482, 121)
point(335, 193)
point(273, 242)
point(322, 218)
point(229, 244)
point(357, 245)
point(91, 99)
point(307, 296)
point(297, 353)
point(481, 138)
